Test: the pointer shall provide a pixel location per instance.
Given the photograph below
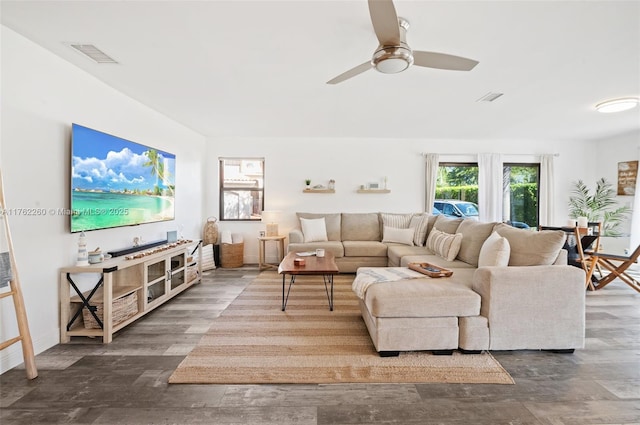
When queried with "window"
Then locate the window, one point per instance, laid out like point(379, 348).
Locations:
point(457, 181)
point(457, 192)
point(521, 195)
point(241, 188)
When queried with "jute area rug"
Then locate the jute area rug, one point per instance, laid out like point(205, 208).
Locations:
point(254, 342)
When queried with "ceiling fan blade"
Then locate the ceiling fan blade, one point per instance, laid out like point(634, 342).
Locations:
point(443, 61)
point(351, 73)
point(385, 22)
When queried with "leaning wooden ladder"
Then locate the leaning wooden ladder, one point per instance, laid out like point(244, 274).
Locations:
point(10, 270)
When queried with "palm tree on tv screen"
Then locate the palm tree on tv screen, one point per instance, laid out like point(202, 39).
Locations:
point(157, 169)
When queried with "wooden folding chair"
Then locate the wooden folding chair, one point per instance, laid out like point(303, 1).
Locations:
point(617, 266)
point(588, 238)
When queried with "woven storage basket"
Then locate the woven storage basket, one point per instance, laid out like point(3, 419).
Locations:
point(231, 255)
point(123, 308)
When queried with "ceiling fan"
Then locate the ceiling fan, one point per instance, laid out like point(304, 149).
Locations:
point(394, 55)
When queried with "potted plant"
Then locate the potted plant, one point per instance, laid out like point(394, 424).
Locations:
point(307, 182)
point(599, 206)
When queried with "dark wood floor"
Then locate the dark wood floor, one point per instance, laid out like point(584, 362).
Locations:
point(125, 382)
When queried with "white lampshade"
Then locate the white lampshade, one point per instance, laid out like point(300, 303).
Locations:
point(271, 218)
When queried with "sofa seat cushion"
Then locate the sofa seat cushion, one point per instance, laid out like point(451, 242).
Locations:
point(396, 251)
point(336, 248)
point(364, 249)
point(426, 297)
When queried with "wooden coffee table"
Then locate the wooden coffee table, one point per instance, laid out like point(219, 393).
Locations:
point(314, 266)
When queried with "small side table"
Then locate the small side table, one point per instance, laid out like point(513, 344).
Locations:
point(262, 240)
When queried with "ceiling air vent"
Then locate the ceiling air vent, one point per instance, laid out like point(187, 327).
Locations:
point(489, 97)
point(93, 53)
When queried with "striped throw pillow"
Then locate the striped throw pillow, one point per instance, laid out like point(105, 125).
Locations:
point(399, 221)
point(443, 244)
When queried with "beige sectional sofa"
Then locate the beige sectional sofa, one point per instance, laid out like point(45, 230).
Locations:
point(510, 289)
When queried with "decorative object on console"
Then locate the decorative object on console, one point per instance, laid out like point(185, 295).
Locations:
point(137, 247)
point(172, 236)
point(157, 249)
point(83, 257)
point(583, 222)
point(307, 183)
point(96, 256)
point(271, 218)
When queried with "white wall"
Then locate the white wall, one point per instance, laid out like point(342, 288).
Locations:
point(625, 147)
point(352, 162)
point(41, 96)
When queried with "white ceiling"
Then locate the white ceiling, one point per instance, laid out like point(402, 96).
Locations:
point(259, 68)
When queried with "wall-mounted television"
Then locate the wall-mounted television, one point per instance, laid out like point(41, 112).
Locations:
point(116, 182)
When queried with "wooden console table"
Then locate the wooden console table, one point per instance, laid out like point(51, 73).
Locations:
point(153, 278)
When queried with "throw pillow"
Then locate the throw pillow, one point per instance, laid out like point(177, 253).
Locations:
point(530, 248)
point(419, 222)
point(313, 229)
point(444, 244)
point(403, 236)
point(495, 251)
point(399, 221)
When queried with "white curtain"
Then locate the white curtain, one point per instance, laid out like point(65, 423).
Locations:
point(432, 163)
point(490, 180)
point(635, 217)
point(547, 194)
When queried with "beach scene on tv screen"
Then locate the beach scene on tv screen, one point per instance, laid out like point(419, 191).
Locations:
point(116, 182)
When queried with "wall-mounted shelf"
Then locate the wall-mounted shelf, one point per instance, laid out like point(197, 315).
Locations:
point(319, 191)
point(374, 191)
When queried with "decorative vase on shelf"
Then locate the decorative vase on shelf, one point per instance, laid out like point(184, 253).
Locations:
point(307, 184)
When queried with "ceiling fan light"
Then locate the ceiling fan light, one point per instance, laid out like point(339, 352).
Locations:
point(617, 105)
point(391, 60)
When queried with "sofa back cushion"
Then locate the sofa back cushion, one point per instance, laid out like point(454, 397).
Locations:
point(361, 227)
point(446, 224)
point(331, 221)
point(530, 248)
point(474, 233)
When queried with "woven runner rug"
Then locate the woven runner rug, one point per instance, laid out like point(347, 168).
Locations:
point(254, 342)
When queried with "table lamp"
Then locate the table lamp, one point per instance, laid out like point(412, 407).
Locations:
point(271, 218)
